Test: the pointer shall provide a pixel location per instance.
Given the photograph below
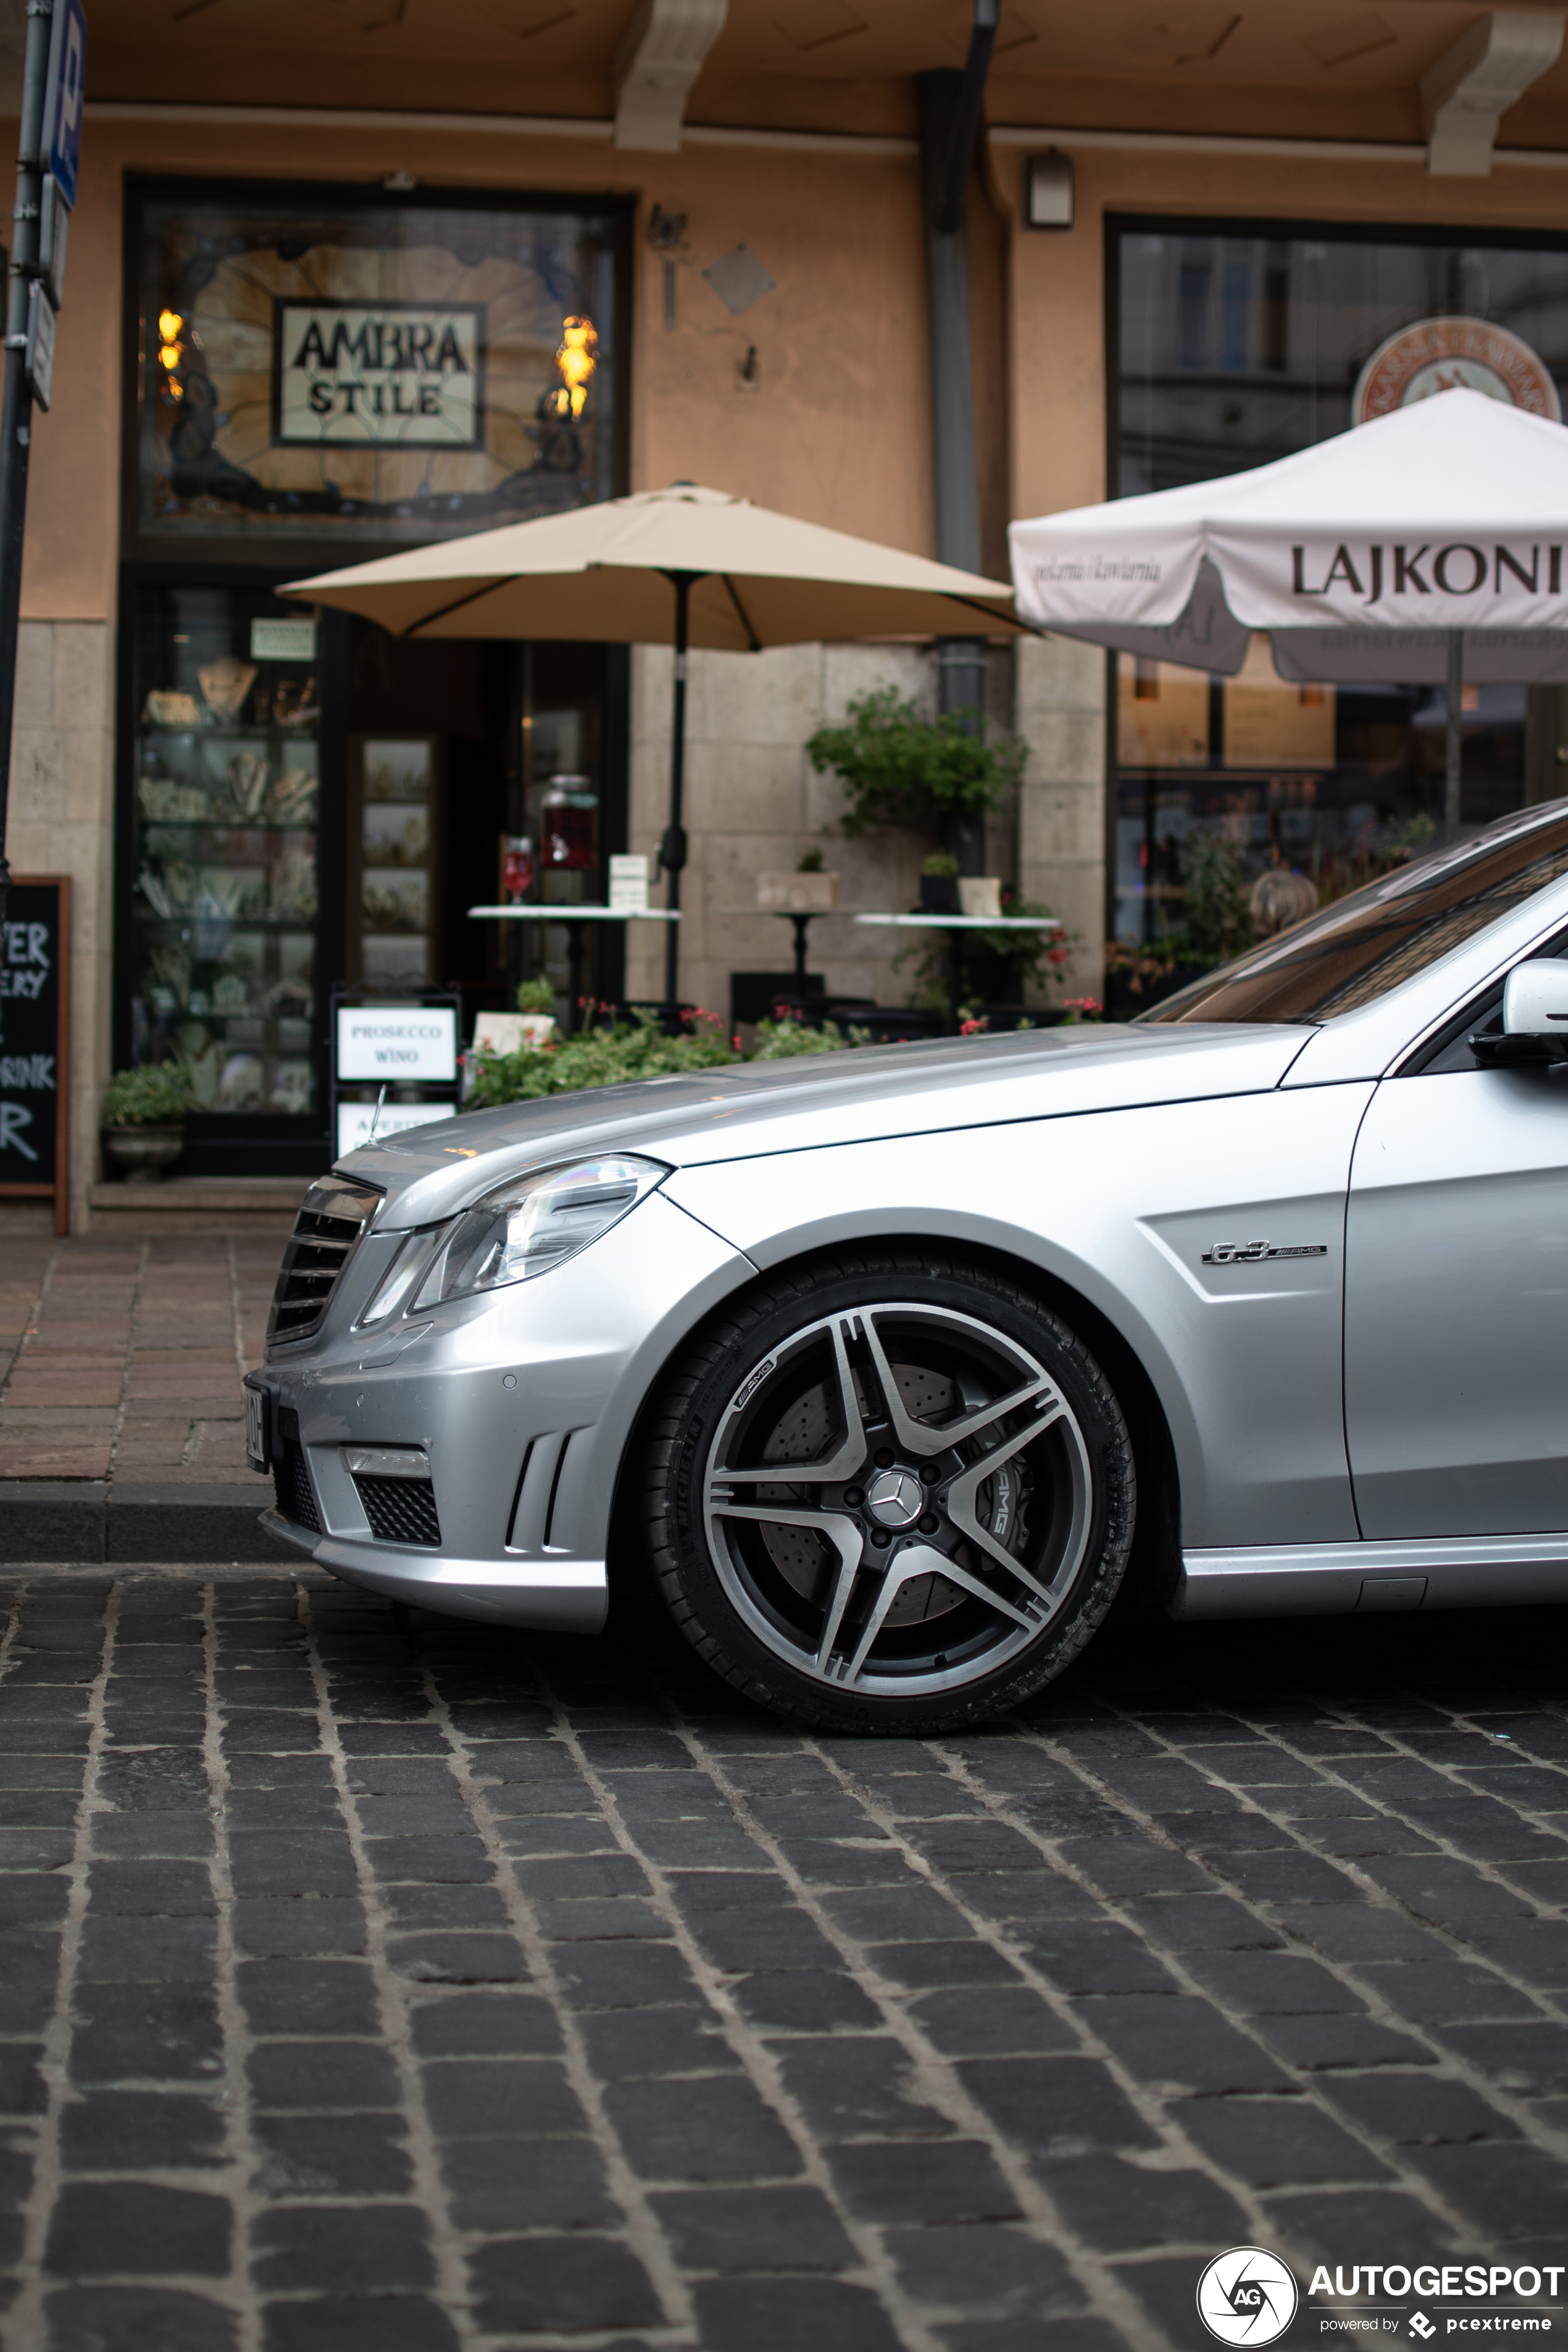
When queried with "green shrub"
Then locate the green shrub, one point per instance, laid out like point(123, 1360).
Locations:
point(595, 1057)
point(157, 1095)
point(536, 996)
point(777, 1041)
point(901, 769)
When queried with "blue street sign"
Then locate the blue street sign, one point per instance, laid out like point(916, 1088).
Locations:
point(63, 94)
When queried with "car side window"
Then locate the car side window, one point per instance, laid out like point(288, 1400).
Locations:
point(1449, 1050)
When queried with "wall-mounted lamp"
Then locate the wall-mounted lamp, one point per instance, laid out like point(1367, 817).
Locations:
point(1047, 190)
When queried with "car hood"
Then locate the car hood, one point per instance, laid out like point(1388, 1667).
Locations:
point(857, 1095)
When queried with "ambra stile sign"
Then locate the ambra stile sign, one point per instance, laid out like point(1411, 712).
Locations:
point(396, 1044)
point(403, 375)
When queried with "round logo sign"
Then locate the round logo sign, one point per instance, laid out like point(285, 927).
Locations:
point(1246, 2296)
point(1440, 354)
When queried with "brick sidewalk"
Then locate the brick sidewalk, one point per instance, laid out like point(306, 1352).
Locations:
point(123, 1361)
point(376, 1983)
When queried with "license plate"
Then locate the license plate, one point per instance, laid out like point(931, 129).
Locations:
point(256, 1427)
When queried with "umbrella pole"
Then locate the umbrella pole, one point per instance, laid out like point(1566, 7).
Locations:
point(1453, 743)
point(672, 848)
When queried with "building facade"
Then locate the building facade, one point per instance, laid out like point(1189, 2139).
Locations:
point(337, 287)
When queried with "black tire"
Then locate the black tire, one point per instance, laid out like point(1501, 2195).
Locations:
point(830, 1613)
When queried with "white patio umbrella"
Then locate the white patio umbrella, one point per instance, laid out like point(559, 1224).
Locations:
point(1427, 546)
point(686, 566)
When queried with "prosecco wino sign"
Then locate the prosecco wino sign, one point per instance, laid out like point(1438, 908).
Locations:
point(404, 375)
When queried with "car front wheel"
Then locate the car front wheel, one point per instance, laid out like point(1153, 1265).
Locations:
point(888, 1493)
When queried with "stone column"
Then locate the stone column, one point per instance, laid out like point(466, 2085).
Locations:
point(1059, 711)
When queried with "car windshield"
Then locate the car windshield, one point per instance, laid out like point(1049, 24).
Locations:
point(1365, 944)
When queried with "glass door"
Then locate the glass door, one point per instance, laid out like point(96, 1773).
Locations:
point(224, 892)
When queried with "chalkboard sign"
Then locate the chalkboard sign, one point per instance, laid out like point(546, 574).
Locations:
point(35, 1012)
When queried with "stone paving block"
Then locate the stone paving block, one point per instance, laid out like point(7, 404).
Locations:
point(985, 2271)
point(135, 2131)
point(368, 2323)
point(290, 1926)
point(469, 2098)
point(1414, 2110)
point(848, 2085)
point(578, 2282)
point(631, 2044)
point(947, 2180)
point(319, 2077)
point(131, 2319)
point(144, 2033)
point(1272, 1984)
point(1180, 2044)
point(333, 2155)
point(809, 2000)
point(503, 2185)
point(774, 2315)
point(1505, 2192)
point(126, 2229)
point(1009, 2018)
point(719, 2130)
point(1323, 2040)
point(1119, 2207)
point(1045, 2104)
point(733, 2231)
point(1276, 2143)
point(371, 2249)
point(319, 1998)
point(1530, 2057)
point(457, 1959)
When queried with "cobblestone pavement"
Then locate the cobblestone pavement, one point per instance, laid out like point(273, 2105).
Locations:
point(377, 1981)
point(123, 1360)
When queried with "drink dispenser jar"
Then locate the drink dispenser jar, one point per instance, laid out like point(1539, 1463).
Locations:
point(569, 826)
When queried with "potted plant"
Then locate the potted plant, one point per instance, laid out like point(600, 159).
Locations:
point(931, 774)
point(810, 889)
point(536, 1002)
point(939, 884)
point(144, 1119)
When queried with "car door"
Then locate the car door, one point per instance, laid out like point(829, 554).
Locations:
point(1457, 1299)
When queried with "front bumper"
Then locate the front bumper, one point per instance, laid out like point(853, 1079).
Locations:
point(523, 1401)
point(554, 1596)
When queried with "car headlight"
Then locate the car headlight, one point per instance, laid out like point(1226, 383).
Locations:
point(520, 1230)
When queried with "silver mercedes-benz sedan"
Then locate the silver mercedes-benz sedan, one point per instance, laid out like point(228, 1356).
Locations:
point(888, 1367)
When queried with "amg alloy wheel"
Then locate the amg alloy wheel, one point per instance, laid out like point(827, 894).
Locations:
point(895, 1496)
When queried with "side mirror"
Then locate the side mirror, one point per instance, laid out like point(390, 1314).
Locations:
point(1534, 1017)
point(1535, 1000)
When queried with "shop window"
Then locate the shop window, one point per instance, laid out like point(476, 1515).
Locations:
point(320, 367)
point(225, 897)
point(1336, 784)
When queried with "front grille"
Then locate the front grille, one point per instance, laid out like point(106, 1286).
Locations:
point(292, 1485)
point(334, 1214)
point(400, 1510)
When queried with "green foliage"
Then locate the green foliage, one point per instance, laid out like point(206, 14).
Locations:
point(777, 1041)
point(940, 864)
point(811, 861)
point(637, 1049)
point(536, 996)
point(157, 1095)
point(595, 1057)
point(901, 769)
point(1218, 919)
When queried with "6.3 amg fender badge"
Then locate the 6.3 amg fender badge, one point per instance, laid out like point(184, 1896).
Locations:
point(1252, 1253)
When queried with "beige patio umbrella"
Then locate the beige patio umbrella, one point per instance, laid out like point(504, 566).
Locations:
point(686, 566)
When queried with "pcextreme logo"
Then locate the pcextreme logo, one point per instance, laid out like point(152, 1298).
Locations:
point(1246, 2296)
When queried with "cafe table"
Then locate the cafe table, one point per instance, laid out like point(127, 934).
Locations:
point(955, 926)
point(576, 919)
